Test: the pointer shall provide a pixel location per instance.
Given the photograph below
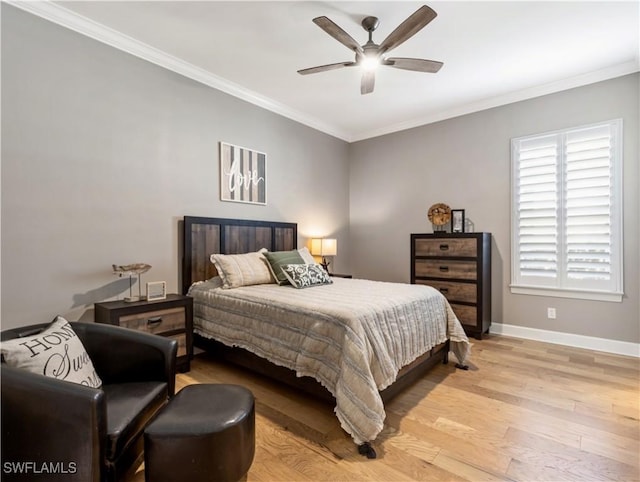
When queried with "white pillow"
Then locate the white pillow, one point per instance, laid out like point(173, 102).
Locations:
point(242, 269)
point(306, 256)
point(55, 352)
point(306, 275)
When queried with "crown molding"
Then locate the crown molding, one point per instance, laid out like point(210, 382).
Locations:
point(612, 72)
point(87, 27)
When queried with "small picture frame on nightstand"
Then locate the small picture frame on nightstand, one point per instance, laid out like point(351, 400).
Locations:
point(457, 220)
point(156, 290)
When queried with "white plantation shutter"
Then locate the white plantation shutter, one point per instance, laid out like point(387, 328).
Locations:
point(566, 216)
point(588, 204)
point(537, 201)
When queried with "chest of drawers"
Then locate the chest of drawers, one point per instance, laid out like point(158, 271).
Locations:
point(172, 317)
point(459, 266)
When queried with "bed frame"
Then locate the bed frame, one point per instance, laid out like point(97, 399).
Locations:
point(205, 236)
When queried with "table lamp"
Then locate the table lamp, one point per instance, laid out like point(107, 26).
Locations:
point(324, 247)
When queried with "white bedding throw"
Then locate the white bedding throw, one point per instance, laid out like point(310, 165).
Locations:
point(353, 336)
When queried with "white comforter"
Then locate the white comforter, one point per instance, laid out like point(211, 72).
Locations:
point(353, 336)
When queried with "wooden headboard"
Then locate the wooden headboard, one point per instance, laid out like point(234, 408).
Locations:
point(203, 237)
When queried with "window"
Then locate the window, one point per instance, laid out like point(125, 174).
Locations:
point(566, 217)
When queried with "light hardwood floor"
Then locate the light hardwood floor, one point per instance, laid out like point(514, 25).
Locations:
point(525, 411)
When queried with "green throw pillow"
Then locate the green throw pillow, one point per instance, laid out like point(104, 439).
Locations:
point(277, 259)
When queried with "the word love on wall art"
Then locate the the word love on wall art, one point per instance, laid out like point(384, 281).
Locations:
point(243, 175)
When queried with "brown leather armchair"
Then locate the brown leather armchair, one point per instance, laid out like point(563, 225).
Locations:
point(56, 430)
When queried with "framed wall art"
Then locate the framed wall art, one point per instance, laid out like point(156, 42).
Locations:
point(457, 220)
point(243, 174)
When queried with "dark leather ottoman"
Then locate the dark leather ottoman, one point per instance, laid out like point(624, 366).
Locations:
point(205, 433)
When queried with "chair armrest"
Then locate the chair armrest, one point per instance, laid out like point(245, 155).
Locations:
point(121, 355)
point(49, 421)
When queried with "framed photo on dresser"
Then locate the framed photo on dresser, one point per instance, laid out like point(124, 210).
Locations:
point(457, 220)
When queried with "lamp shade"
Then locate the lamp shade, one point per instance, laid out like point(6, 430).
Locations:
point(324, 246)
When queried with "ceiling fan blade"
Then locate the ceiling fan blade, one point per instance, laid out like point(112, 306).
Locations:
point(412, 25)
point(324, 68)
point(337, 33)
point(368, 81)
point(419, 65)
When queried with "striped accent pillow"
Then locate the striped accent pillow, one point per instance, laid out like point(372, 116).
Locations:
point(238, 270)
point(277, 259)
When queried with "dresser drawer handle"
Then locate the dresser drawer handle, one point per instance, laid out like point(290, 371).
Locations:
point(444, 247)
point(444, 269)
point(444, 290)
point(156, 320)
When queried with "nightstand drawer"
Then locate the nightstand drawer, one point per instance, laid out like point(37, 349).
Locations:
point(156, 322)
point(445, 268)
point(182, 344)
point(171, 317)
point(446, 247)
point(454, 291)
point(468, 315)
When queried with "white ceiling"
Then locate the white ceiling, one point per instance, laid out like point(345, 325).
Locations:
point(493, 53)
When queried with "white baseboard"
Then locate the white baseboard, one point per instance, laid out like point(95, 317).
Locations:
point(569, 339)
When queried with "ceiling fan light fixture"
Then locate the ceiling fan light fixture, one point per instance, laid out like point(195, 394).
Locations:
point(370, 55)
point(370, 62)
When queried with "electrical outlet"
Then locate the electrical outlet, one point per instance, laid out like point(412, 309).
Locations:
point(551, 313)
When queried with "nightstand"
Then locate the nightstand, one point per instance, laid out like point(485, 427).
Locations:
point(336, 275)
point(171, 317)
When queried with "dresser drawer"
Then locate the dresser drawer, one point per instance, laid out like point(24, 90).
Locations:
point(468, 315)
point(156, 322)
point(446, 268)
point(446, 247)
point(454, 291)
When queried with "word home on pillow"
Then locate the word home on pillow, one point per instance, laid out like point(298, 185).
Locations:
point(55, 352)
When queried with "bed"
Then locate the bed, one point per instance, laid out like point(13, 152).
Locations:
point(349, 341)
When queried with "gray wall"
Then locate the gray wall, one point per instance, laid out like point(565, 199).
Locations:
point(465, 162)
point(102, 155)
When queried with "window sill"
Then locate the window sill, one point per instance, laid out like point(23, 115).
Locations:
point(565, 293)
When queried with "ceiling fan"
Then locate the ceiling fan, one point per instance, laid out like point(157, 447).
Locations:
point(370, 55)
